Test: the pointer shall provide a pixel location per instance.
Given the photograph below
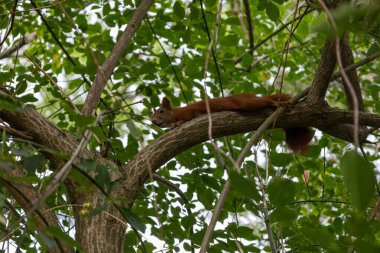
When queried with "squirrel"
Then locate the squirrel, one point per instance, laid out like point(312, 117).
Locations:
point(297, 138)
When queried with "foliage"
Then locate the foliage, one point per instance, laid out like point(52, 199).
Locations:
point(318, 202)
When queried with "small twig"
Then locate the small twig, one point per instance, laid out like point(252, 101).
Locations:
point(265, 213)
point(212, 49)
point(284, 57)
point(207, 60)
point(238, 59)
point(10, 27)
point(167, 57)
point(375, 210)
point(250, 26)
point(19, 44)
point(183, 200)
point(218, 209)
point(356, 65)
point(17, 133)
point(237, 12)
point(28, 10)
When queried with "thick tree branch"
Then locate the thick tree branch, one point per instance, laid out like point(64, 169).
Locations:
point(105, 71)
point(226, 123)
point(348, 59)
point(323, 74)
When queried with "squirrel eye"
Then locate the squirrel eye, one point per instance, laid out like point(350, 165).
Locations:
point(162, 110)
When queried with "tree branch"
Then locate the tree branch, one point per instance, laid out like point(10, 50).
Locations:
point(227, 123)
point(19, 44)
point(323, 74)
point(105, 71)
point(348, 59)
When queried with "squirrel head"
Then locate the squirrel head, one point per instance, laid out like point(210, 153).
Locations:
point(163, 117)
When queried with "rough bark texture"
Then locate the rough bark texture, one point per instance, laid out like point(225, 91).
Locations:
point(323, 74)
point(348, 59)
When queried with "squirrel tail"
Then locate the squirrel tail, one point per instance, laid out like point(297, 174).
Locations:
point(298, 138)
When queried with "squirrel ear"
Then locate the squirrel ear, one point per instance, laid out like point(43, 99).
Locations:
point(166, 103)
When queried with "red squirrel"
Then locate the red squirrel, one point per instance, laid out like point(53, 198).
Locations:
point(297, 138)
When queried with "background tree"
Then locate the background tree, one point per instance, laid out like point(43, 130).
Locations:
point(83, 168)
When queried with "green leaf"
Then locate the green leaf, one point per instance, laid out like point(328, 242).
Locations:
point(188, 221)
point(272, 11)
point(27, 98)
point(359, 179)
point(283, 213)
point(97, 210)
point(133, 219)
point(357, 226)
point(374, 48)
point(83, 121)
point(179, 11)
point(134, 130)
point(82, 22)
point(281, 191)
point(319, 236)
point(243, 186)
point(10, 104)
point(64, 237)
point(103, 177)
point(281, 159)
point(32, 163)
point(21, 87)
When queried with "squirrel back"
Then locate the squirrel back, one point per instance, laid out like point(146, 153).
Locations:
point(297, 138)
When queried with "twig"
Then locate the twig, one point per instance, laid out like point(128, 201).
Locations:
point(237, 12)
point(226, 189)
point(17, 133)
point(268, 37)
point(356, 65)
point(212, 49)
point(265, 213)
point(284, 57)
point(19, 44)
point(250, 26)
point(168, 57)
point(207, 60)
point(10, 27)
point(183, 199)
point(55, 37)
point(375, 210)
